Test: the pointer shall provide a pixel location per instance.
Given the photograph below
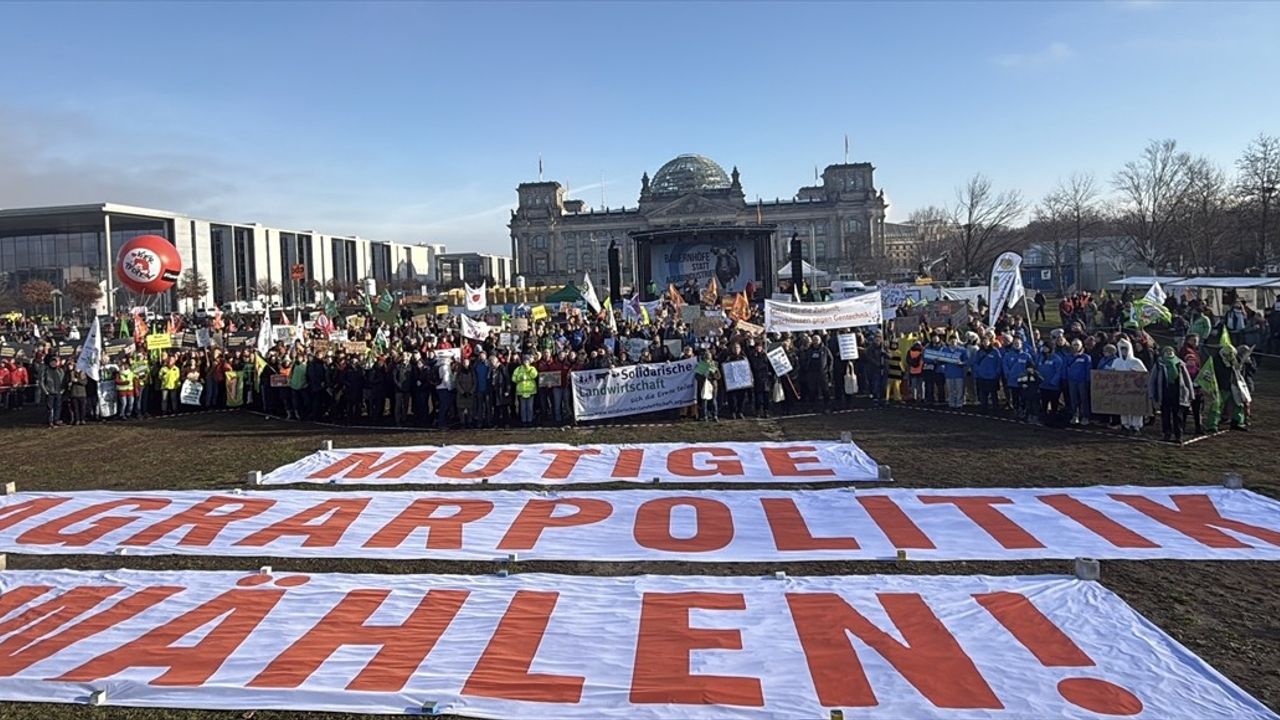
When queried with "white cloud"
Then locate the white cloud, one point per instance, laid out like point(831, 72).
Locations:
point(1051, 54)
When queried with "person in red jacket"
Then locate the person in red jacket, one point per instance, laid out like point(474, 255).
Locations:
point(19, 379)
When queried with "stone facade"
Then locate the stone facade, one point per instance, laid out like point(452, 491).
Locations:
point(841, 220)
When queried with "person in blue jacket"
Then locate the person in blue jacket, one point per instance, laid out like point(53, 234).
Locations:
point(1078, 370)
point(986, 374)
point(1051, 375)
point(1014, 362)
point(953, 373)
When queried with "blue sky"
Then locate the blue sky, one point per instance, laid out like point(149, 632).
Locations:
point(415, 122)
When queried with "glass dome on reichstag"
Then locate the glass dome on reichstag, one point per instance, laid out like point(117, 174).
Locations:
point(689, 173)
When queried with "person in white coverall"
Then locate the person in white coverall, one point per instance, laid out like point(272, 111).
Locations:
point(1126, 361)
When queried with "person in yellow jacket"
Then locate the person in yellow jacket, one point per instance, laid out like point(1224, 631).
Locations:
point(170, 384)
point(525, 378)
point(124, 391)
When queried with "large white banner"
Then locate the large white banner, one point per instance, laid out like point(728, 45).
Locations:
point(629, 525)
point(650, 647)
point(632, 389)
point(562, 464)
point(807, 317)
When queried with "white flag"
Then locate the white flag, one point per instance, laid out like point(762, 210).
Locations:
point(91, 353)
point(477, 300)
point(1006, 284)
point(264, 336)
point(474, 329)
point(1155, 294)
point(299, 332)
point(589, 293)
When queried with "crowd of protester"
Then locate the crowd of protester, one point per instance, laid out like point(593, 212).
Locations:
point(419, 369)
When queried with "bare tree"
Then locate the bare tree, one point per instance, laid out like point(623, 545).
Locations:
point(1153, 191)
point(1256, 186)
point(934, 234)
point(1203, 229)
point(1048, 228)
point(192, 285)
point(1074, 203)
point(983, 218)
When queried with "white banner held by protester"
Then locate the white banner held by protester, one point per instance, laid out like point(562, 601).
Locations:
point(737, 375)
point(848, 346)
point(474, 329)
point(560, 464)
point(836, 315)
point(477, 298)
point(90, 360)
point(777, 356)
point(781, 525)
point(191, 392)
point(632, 389)
point(699, 648)
point(1006, 284)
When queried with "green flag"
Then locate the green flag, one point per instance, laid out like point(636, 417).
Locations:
point(1225, 340)
point(331, 309)
point(1207, 381)
point(1146, 312)
point(386, 301)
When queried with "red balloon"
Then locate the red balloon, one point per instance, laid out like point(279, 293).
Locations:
point(148, 265)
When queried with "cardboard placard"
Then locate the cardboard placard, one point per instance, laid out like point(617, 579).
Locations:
point(749, 328)
point(355, 321)
point(359, 347)
point(520, 325)
point(550, 379)
point(1119, 392)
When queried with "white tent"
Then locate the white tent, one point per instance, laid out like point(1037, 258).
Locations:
point(1210, 289)
point(1223, 283)
point(972, 294)
point(1144, 281)
point(810, 271)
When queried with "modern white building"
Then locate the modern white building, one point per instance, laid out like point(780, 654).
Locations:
point(237, 260)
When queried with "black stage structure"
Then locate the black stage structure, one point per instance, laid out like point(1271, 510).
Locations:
point(690, 255)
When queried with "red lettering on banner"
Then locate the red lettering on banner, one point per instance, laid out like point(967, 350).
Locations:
point(894, 523)
point(335, 517)
point(1053, 648)
point(537, 515)
point(205, 520)
point(13, 514)
point(238, 613)
point(566, 459)
point(29, 637)
point(931, 659)
point(503, 669)
point(713, 523)
point(665, 642)
point(978, 508)
point(51, 532)
point(680, 462)
point(790, 532)
point(783, 462)
point(1198, 519)
point(443, 533)
point(456, 468)
point(1093, 519)
point(628, 463)
point(359, 465)
point(401, 648)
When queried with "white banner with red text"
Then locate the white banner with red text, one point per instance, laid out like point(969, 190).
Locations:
point(561, 464)
point(630, 525)
point(660, 647)
point(780, 316)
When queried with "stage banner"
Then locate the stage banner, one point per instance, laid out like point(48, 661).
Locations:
point(719, 526)
point(703, 648)
point(562, 464)
point(632, 389)
point(808, 317)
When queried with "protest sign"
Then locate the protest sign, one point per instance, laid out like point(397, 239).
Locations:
point(848, 346)
point(474, 329)
point(442, 310)
point(539, 312)
point(282, 333)
point(320, 347)
point(778, 359)
point(549, 379)
point(202, 338)
point(689, 313)
point(65, 351)
point(660, 646)
point(506, 340)
point(737, 375)
point(632, 389)
point(355, 321)
point(357, 347)
point(159, 341)
point(338, 336)
point(752, 525)
point(191, 392)
point(675, 347)
point(1119, 392)
point(950, 355)
point(520, 325)
point(637, 346)
point(835, 315)
point(749, 328)
point(107, 397)
point(707, 326)
point(279, 380)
